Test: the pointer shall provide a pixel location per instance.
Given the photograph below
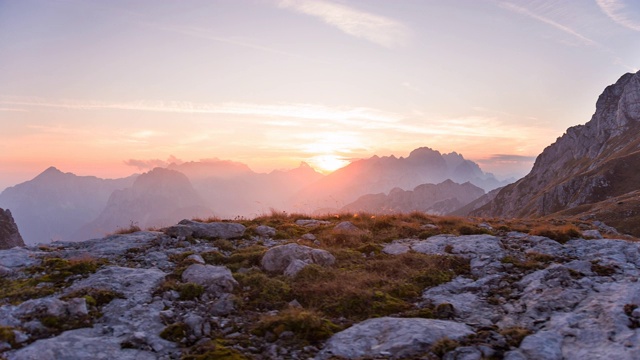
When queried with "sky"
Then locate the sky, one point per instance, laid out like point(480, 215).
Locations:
point(111, 88)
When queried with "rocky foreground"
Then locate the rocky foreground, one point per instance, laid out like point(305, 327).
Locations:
point(275, 288)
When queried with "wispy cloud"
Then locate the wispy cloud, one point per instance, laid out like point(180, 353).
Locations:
point(152, 163)
point(279, 110)
point(375, 28)
point(564, 28)
point(617, 11)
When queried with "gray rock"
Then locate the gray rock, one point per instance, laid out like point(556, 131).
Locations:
point(294, 267)
point(215, 279)
point(309, 237)
point(214, 230)
point(265, 231)
point(19, 257)
point(279, 258)
point(196, 258)
point(311, 222)
point(592, 234)
point(109, 247)
point(484, 251)
point(395, 248)
point(542, 345)
point(391, 338)
point(464, 353)
point(346, 226)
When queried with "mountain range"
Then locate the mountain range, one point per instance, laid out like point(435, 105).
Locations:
point(56, 205)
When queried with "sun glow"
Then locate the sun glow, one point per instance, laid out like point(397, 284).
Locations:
point(328, 163)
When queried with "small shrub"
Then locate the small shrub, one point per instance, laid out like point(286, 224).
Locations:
point(443, 346)
point(212, 350)
point(223, 244)
point(514, 335)
point(175, 332)
point(260, 291)
point(307, 325)
point(190, 291)
point(132, 228)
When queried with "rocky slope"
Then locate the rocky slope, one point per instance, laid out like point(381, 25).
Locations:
point(436, 199)
point(588, 165)
point(9, 234)
point(280, 287)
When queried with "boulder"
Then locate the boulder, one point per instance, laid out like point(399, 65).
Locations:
point(389, 337)
point(292, 256)
point(213, 230)
point(346, 226)
point(311, 222)
point(265, 231)
point(216, 280)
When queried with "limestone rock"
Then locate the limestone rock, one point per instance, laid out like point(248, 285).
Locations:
point(265, 231)
point(279, 258)
point(311, 222)
point(215, 279)
point(346, 226)
point(214, 230)
point(9, 234)
point(389, 337)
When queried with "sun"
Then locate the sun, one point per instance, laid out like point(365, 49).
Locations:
point(328, 163)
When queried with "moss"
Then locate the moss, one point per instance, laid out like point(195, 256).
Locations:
point(213, 350)
point(602, 270)
point(8, 336)
point(175, 332)
point(190, 291)
point(306, 325)
point(213, 257)
point(443, 346)
point(94, 296)
point(514, 335)
point(224, 245)
point(260, 291)
point(47, 278)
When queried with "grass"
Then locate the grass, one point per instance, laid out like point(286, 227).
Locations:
point(47, 278)
point(306, 325)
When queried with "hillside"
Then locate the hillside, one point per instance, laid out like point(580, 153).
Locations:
point(586, 168)
point(340, 287)
point(435, 199)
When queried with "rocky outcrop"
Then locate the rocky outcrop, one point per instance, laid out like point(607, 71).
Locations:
point(394, 338)
point(588, 165)
point(290, 258)
point(9, 234)
point(439, 199)
point(212, 230)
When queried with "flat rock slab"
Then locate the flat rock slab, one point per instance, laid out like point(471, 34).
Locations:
point(212, 230)
point(19, 257)
point(110, 246)
point(389, 337)
point(79, 344)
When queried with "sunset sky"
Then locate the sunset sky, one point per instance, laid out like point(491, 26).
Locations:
point(108, 88)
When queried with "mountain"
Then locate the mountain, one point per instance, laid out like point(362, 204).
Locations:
point(247, 193)
point(9, 234)
point(589, 171)
point(54, 205)
point(433, 199)
point(381, 174)
point(159, 197)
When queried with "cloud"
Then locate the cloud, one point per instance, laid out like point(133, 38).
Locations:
point(511, 158)
point(616, 10)
point(152, 163)
point(278, 110)
point(375, 28)
point(526, 12)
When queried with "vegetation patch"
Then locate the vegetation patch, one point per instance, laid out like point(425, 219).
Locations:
point(212, 350)
point(262, 292)
point(46, 279)
point(306, 325)
point(514, 335)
